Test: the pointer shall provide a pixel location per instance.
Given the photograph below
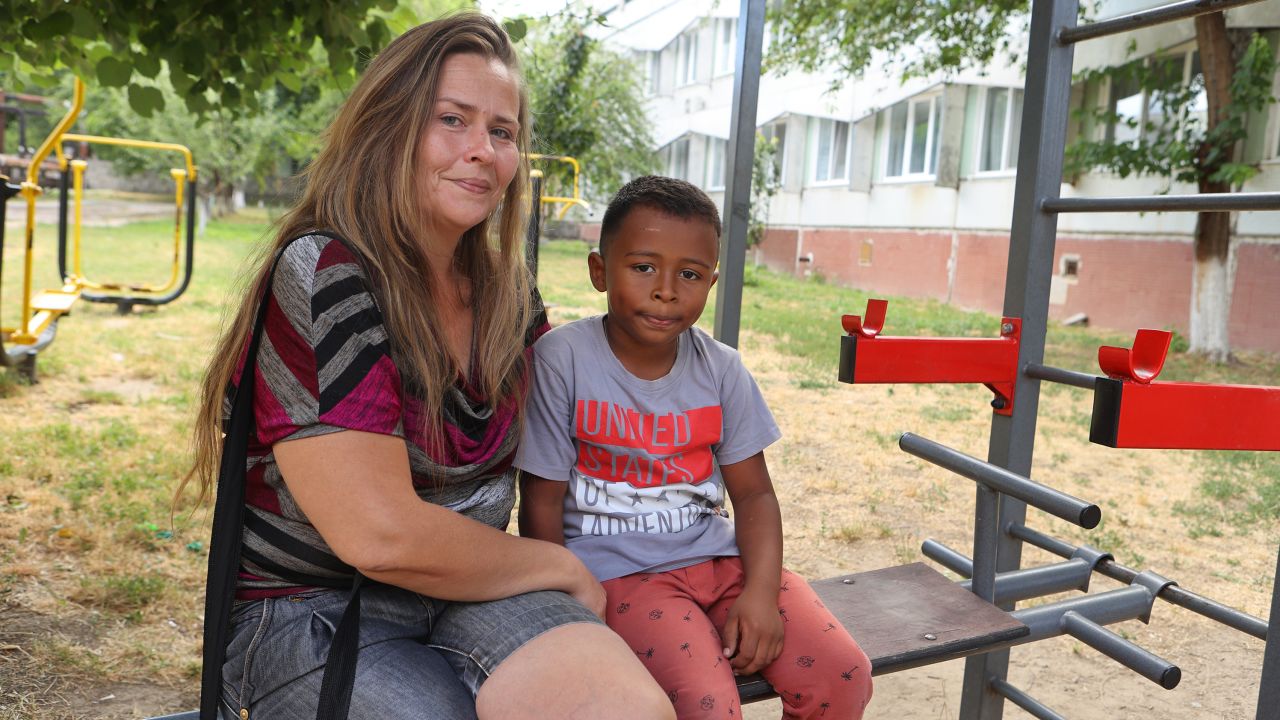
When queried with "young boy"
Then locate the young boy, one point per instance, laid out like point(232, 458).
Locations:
point(636, 425)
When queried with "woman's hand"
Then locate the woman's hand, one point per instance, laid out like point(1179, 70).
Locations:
point(753, 632)
point(588, 591)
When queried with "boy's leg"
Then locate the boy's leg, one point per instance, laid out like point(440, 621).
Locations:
point(821, 673)
point(659, 615)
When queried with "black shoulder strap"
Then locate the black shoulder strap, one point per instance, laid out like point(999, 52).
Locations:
point(224, 549)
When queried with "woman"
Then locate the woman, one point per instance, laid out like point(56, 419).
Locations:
point(387, 396)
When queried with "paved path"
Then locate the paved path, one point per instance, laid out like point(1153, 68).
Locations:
point(95, 212)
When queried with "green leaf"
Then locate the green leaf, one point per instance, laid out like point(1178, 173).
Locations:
point(113, 72)
point(146, 64)
point(516, 28)
point(48, 28)
point(86, 25)
point(193, 57)
point(145, 100)
point(290, 80)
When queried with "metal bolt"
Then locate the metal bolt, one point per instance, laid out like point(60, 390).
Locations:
point(930, 636)
point(848, 581)
point(1006, 328)
point(998, 403)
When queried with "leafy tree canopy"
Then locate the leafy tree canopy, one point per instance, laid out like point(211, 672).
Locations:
point(915, 38)
point(587, 102)
point(219, 55)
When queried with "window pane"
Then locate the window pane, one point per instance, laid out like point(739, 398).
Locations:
point(993, 128)
point(936, 109)
point(1200, 104)
point(919, 135)
point(1126, 103)
point(1167, 74)
point(822, 164)
point(680, 159)
point(897, 139)
point(1015, 130)
point(779, 150)
point(840, 146)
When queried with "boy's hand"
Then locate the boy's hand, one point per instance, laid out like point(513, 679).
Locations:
point(753, 633)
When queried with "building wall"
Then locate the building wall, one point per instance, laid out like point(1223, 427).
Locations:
point(1120, 282)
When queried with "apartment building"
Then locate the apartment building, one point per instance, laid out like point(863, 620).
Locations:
point(906, 187)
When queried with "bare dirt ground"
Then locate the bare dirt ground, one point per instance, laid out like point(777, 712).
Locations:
point(851, 502)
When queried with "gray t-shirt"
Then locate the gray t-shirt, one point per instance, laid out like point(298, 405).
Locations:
point(642, 457)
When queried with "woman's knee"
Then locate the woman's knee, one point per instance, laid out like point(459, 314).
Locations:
point(581, 670)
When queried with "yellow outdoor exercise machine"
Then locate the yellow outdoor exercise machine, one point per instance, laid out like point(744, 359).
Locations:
point(564, 203)
point(40, 311)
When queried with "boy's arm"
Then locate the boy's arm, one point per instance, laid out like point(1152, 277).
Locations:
point(753, 633)
point(542, 508)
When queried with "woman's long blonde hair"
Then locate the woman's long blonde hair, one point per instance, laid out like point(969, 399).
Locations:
point(363, 186)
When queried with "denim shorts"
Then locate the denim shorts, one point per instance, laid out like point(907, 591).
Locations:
point(419, 657)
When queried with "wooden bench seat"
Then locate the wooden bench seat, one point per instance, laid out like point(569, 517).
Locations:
point(905, 617)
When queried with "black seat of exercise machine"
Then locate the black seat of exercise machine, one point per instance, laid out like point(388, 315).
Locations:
point(905, 617)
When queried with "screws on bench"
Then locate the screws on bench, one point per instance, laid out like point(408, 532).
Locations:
point(848, 581)
point(998, 403)
point(930, 636)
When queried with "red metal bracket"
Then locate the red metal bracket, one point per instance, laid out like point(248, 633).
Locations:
point(868, 357)
point(1132, 411)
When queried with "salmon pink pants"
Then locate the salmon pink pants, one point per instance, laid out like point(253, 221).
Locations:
point(673, 620)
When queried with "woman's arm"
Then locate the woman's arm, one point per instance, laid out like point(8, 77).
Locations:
point(542, 508)
point(356, 489)
point(753, 632)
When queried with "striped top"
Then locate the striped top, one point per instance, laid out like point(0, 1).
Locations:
point(324, 365)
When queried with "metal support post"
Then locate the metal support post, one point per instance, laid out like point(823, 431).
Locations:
point(1269, 690)
point(741, 152)
point(1031, 245)
point(533, 231)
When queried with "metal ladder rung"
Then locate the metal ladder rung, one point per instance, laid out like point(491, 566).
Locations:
point(1202, 202)
point(1147, 18)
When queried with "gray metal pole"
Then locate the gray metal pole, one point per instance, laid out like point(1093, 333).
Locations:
point(1202, 202)
point(1269, 690)
point(1026, 296)
point(1147, 18)
point(741, 150)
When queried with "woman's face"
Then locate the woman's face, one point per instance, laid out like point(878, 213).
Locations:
point(467, 154)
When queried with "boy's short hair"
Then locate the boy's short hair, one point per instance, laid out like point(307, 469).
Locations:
point(673, 197)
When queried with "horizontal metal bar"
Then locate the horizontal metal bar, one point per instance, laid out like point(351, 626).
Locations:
point(1042, 541)
point(1203, 202)
point(947, 558)
point(1145, 663)
point(1045, 621)
point(1058, 375)
point(1172, 594)
point(1026, 702)
point(1033, 582)
point(1054, 502)
point(1146, 18)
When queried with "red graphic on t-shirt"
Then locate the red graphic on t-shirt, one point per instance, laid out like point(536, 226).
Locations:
point(676, 446)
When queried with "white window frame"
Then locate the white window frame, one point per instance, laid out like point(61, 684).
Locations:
point(726, 42)
point(1005, 166)
point(687, 58)
point(715, 148)
point(932, 136)
point(829, 126)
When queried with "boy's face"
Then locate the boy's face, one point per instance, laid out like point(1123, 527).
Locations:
point(657, 275)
